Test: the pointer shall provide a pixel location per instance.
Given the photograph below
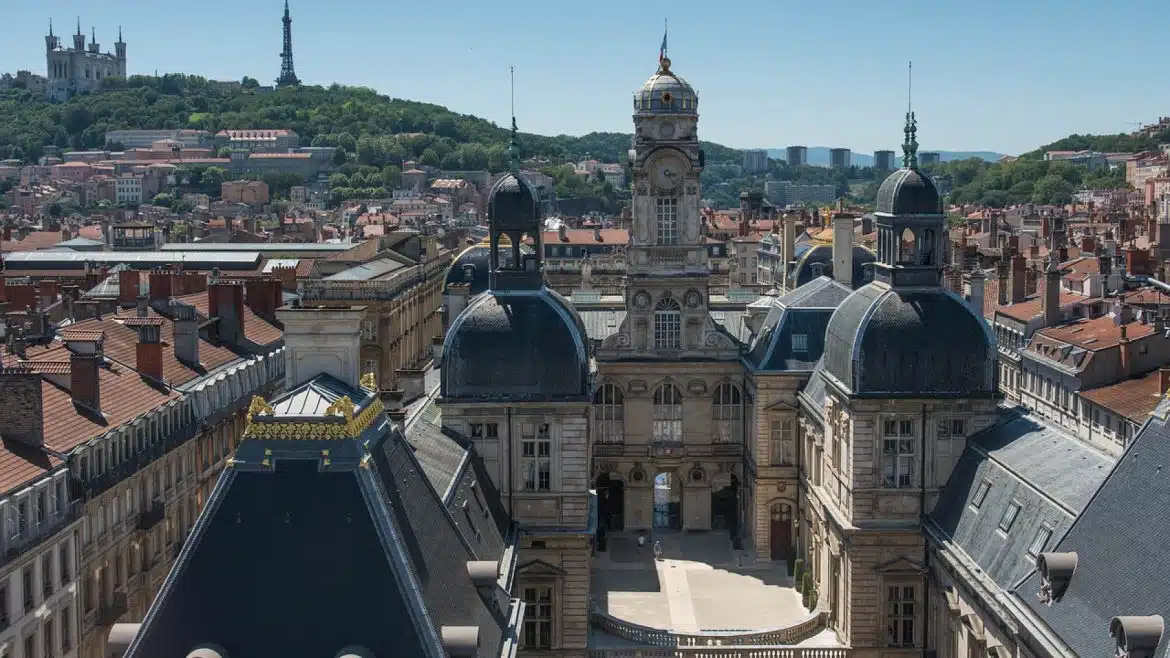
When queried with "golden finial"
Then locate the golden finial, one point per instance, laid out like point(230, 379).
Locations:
point(258, 406)
point(369, 381)
point(342, 407)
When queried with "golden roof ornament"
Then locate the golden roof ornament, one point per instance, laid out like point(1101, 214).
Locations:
point(369, 381)
point(258, 406)
point(343, 407)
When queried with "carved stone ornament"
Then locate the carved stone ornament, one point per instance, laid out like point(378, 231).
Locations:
point(637, 386)
point(637, 473)
point(697, 387)
point(667, 294)
point(641, 189)
point(693, 299)
point(692, 189)
point(641, 300)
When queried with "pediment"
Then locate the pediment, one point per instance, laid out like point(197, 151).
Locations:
point(540, 568)
point(781, 405)
point(901, 565)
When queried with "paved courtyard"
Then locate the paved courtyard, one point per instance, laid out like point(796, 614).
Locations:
point(700, 584)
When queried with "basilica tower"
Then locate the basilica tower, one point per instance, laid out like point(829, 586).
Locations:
point(667, 268)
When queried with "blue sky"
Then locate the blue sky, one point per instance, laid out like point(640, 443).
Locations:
point(999, 75)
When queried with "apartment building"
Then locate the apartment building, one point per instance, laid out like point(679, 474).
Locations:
point(112, 445)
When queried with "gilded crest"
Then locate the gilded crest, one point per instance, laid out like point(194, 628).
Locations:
point(258, 406)
point(343, 407)
point(369, 382)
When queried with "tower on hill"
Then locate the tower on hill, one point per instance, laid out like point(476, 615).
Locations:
point(288, 75)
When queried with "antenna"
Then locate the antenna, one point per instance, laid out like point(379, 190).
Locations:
point(512, 76)
point(909, 86)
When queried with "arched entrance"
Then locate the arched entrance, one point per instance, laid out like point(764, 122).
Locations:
point(780, 534)
point(667, 501)
point(610, 502)
point(725, 506)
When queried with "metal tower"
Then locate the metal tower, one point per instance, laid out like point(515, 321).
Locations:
point(287, 75)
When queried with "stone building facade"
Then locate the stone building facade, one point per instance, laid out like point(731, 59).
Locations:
point(82, 67)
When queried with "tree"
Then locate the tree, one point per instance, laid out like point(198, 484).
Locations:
point(430, 157)
point(55, 210)
point(212, 179)
point(391, 177)
point(1052, 189)
point(249, 83)
point(163, 199)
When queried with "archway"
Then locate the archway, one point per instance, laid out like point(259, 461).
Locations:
point(667, 501)
point(780, 532)
point(610, 502)
point(725, 506)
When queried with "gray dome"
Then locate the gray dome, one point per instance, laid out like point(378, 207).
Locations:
point(527, 347)
point(883, 342)
point(666, 93)
point(908, 192)
point(477, 256)
point(513, 203)
point(815, 259)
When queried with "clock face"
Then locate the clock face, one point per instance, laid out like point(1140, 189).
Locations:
point(668, 172)
point(666, 130)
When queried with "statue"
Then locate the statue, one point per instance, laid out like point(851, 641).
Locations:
point(586, 273)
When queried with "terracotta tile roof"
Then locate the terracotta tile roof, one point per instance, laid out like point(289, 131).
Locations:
point(1095, 334)
point(1135, 398)
point(274, 156)
point(90, 232)
point(33, 241)
point(256, 329)
point(583, 236)
point(1033, 306)
point(1081, 268)
point(82, 332)
point(305, 268)
point(365, 251)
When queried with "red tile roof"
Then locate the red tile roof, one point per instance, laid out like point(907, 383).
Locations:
point(256, 329)
point(1135, 399)
point(583, 236)
point(1033, 306)
point(1096, 334)
point(31, 242)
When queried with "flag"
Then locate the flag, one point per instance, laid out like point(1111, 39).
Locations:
point(662, 49)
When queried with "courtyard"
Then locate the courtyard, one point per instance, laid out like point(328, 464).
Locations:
point(700, 584)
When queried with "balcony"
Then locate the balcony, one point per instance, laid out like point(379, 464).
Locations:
point(668, 449)
point(108, 613)
point(154, 514)
point(35, 533)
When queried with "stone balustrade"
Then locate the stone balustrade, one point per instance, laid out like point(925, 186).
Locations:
point(657, 637)
point(723, 652)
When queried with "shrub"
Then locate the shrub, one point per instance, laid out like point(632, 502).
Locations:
point(798, 573)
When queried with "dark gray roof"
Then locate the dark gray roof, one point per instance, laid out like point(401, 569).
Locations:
point(908, 192)
point(111, 286)
point(1048, 473)
point(314, 397)
point(441, 457)
point(886, 342)
point(812, 397)
point(513, 202)
point(477, 256)
point(804, 311)
point(264, 247)
point(368, 271)
point(65, 259)
point(1120, 542)
point(815, 259)
point(521, 346)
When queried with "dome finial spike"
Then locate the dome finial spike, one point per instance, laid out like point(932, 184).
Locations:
point(910, 145)
point(513, 141)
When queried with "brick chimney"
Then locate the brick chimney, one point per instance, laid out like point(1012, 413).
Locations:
point(226, 302)
point(22, 414)
point(85, 360)
point(264, 296)
point(978, 291)
point(1001, 285)
point(1125, 357)
point(563, 232)
point(1088, 245)
point(1163, 380)
point(148, 353)
point(1137, 261)
point(47, 290)
point(186, 338)
point(1051, 299)
point(128, 281)
point(160, 286)
point(1019, 273)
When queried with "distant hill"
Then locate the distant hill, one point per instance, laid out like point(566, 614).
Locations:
point(818, 156)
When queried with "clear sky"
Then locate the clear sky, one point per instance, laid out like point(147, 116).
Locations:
point(1002, 75)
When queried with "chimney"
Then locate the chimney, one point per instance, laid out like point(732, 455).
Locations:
point(563, 232)
point(226, 302)
point(22, 414)
point(321, 340)
point(141, 306)
point(1087, 245)
point(127, 287)
point(789, 248)
point(1001, 286)
point(1163, 380)
point(1051, 299)
point(843, 248)
point(264, 296)
point(460, 641)
point(866, 224)
point(1126, 357)
point(85, 360)
point(186, 338)
point(437, 349)
point(47, 290)
point(160, 286)
point(978, 291)
point(1137, 261)
point(148, 354)
point(597, 234)
point(1019, 274)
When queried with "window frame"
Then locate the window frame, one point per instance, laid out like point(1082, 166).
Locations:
point(668, 414)
point(609, 415)
point(980, 494)
point(666, 220)
point(727, 414)
point(539, 613)
point(1010, 515)
point(667, 324)
point(899, 454)
point(536, 457)
point(1037, 545)
point(898, 615)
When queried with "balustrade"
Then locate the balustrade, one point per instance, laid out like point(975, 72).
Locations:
point(675, 643)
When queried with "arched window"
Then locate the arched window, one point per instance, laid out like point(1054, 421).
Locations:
point(609, 415)
point(667, 324)
point(727, 414)
point(668, 414)
point(907, 248)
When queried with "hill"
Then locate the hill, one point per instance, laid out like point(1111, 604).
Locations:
point(371, 129)
point(818, 156)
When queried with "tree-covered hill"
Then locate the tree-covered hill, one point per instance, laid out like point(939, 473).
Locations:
point(372, 128)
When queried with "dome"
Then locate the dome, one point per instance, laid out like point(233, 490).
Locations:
point(666, 93)
point(884, 342)
point(529, 346)
point(908, 192)
point(513, 203)
point(477, 256)
point(815, 259)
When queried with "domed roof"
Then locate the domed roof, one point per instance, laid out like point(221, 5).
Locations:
point(513, 199)
point(814, 259)
point(885, 342)
point(528, 347)
point(477, 256)
point(908, 192)
point(666, 93)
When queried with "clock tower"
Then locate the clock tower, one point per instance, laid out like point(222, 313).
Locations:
point(667, 272)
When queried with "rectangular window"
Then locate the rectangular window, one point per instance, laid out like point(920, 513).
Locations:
point(1040, 541)
point(667, 216)
point(900, 614)
point(66, 628)
point(784, 443)
point(4, 607)
point(538, 617)
point(980, 494)
point(27, 584)
point(536, 458)
point(370, 366)
point(369, 330)
point(898, 454)
point(47, 573)
point(1009, 516)
point(799, 342)
point(491, 430)
point(476, 430)
point(48, 637)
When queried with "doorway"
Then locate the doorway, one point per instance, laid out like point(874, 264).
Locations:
point(610, 502)
point(780, 536)
point(725, 507)
point(667, 501)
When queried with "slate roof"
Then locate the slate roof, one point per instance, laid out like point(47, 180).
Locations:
point(812, 397)
point(813, 257)
point(359, 547)
point(370, 271)
point(1120, 542)
point(441, 457)
point(908, 192)
point(804, 311)
point(1018, 460)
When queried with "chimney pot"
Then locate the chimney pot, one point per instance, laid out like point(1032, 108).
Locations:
point(85, 359)
point(22, 414)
